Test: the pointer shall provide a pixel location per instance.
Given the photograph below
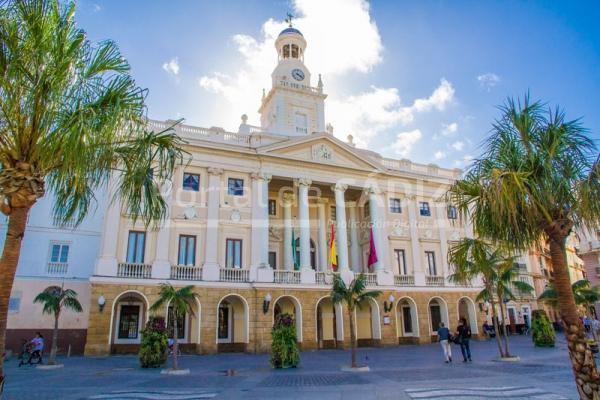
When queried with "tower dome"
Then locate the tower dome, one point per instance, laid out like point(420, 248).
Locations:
point(290, 30)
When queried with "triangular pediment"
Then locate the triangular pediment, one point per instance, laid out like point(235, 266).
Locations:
point(321, 149)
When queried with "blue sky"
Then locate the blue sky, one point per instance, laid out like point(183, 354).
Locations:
point(418, 80)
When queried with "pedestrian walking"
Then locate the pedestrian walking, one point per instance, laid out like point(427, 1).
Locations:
point(463, 335)
point(444, 337)
point(37, 343)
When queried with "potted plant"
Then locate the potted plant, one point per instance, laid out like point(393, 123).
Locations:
point(153, 349)
point(542, 331)
point(284, 347)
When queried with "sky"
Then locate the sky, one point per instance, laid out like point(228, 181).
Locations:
point(420, 80)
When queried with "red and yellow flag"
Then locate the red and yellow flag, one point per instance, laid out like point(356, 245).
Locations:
point(332, 251)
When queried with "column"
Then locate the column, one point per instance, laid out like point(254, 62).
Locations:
point(414, 241)
point(210, 270)
point(443, 226)
point(161, 267)
point(303, 215)
point(107, 262)
point(288, 263)
point(340, 221)
point(260, 220)
point(323, 248)
point(355, 253)
point(377, 225)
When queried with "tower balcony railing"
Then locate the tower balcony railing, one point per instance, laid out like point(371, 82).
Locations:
point(404, 280)
point(186, 272)
point(433, 280)
point(134, 270)
point(57, 268)
point(371, 279)
point(287, 277)
point(239, 275)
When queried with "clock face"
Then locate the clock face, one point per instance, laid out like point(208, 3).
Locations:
point(297, 74)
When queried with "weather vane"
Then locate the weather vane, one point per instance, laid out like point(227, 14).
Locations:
point(289, 19)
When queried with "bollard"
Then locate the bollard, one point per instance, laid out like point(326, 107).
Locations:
point(69, 352)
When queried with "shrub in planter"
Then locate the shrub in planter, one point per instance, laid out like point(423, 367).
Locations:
point(542, 331)
point(153, 349)
point(284, 348)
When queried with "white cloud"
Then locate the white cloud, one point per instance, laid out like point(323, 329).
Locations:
point(439, 155)
point(172, 66)
point(458, 145)
point(405, 142)
point(367, 114)
point(488, 80)
point(463, 162)
point(449, 129)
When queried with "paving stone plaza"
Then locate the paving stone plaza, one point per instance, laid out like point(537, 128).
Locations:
point(405, 372)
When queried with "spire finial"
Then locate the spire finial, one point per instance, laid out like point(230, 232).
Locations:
point(289, 19)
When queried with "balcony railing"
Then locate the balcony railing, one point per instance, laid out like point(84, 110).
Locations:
point(371, 279)
point(287, 277)
point(134, 270)
point(435, 280)
point(404, 280)
point(186, 272)
point(234, 275)
point(57, 268)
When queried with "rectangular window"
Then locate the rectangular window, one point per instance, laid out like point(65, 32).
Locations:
point(367, 210)
point(301, 123)
point(401, 260)
point(272, 207)
point(233, 253)
point(129, 322)
point(424, 209)
point(187, 250)
point(136, 247)
point(235, 187)
point(431, 263)
point(333, 213)
point(59, 253)
point(452, 212)
point(395, 206)
point(191, 182)
point(273, 259)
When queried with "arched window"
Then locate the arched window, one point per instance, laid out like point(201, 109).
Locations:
point(294, 51)
point(286, 51)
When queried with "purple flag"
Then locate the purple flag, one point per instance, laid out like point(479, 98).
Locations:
point(372, 252)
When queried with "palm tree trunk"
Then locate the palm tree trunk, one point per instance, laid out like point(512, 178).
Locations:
point(587, 378)
point(54, 348)
point(496, 327)
point(175, 343)
point(17, 221)
point(352, 338)
point(504, 332)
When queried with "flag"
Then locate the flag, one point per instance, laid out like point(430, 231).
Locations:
point(372, 252)
point(332, 251)
point(294, 253)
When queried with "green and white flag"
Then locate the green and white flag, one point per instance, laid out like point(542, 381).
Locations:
point(294, 253)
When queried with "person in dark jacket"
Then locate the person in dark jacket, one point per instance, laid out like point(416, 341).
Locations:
point(444, 338)
point(463, 334)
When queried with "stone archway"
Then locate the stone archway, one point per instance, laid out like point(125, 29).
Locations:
point(407, 322)
point(368, 328)
point(232, 324)
point(128, 316)
point(330, 324)
point(290, 305)
point(438, 312)
point(466, 310)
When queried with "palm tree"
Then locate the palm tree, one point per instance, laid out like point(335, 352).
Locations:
point(71, 118)
point(353, 295)
point(474, 258)
point(539, 177)
point(56, 299)
point(585, 295)
point(180, 301)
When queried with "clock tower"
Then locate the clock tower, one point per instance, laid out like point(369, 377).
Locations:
point(292, 107)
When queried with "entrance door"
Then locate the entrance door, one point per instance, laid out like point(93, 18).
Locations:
point(512, 318)
point(407, 320)
point(225, 319)
point(436, 317)
point(129, 322)
point(526, 315)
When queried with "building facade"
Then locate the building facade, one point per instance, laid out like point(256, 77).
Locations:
point(251, 218)
point(589, 251)
point(53, 255)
